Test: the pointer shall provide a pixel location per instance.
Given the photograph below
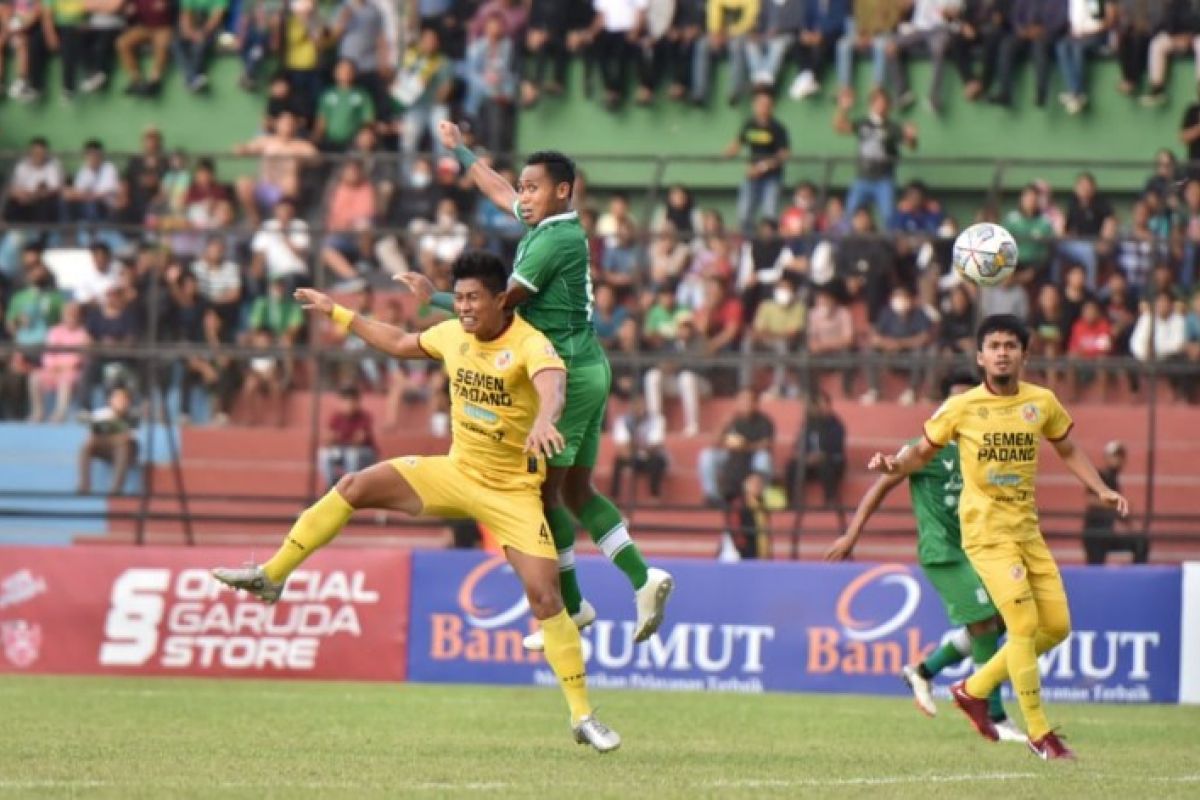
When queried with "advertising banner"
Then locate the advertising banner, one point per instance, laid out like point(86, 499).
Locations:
point(1189, 657)
point(755, 627)
point(157, 611)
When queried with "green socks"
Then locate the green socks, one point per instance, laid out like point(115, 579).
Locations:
point(606, 527)
point(983, 647)
point(945, 656)
point(562, 529)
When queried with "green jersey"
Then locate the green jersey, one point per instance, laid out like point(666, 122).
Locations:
point(935, 489)
point(552, 263)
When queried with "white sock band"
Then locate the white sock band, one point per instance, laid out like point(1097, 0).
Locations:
point(614, 541)
point(566, 559)
point(961, 641)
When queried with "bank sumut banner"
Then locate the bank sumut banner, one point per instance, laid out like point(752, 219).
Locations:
point(755, 627)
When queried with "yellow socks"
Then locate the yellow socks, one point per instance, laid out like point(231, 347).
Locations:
point(1027, 684)
point(565, 655)
point(315, 528)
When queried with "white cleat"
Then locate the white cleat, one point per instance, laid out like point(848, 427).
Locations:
point(592, 731)
point(921, 690)
point(587, 615)
point(1009, 731)
point(652, 603)
point(251, 579)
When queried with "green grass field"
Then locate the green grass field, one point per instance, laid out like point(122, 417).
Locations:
point(176, 738)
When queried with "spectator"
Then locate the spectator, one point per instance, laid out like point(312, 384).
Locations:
point(748, 521)
point(821, 449)
point(927, 29)
point(1090, 227)
point(1009, 297)
point(1193, 329)
point(1033, 233)
point(956, 333)
point(668, 255)
point(24, 37)
point(442, 241)
point(903, 329)
point(651, 44)
point(720, 319)
point(1050, 330)
point(676, 374)
point(112, 440)
point(779, 328)
point(761, 264)
point(1180, 33)
point(513, 13)
point(207, 207)
point(36, 186)
point(820, 31)
point(607, 315)
point(1037, 25)
point(304, 34)
point(623, 262)
point(1091, 338)
point(145, 170)
point(684, 38)
point(256, 23)
point(352, 212)
point(281, 246)
point(1121, 310)
point(866, 262)
point(105, 21)
point(200, 21)
point(1140, 249)
point(277, 313)
point(491, 86)
point(283, 156)
point(219, 282)
point(343, 111)
point(63, 32)
point(982, 25)
point(1099, 521)
point(879, 141)
point(728, 24)
point(803, 215)
point(777, 29)
point(36, 308)
point(349, 441)
point(618, 24)
point(611, 220)
point(263, 386)
point(742, 447)
point(113, 323)
point(149, 24)
point(869, 29)
point(59, 372)
point(639, 438)
point(105, 275)
point(1088, 30)
point(627, 368)
point(1137, 22)
point(916, 213)
point(662, 318)
point(830, 334)
point(1169, 343)
point(422, 88)
point(90, 196)
point(767, 142)
point(549, 40)
point(361, 34)
point(1075, 293)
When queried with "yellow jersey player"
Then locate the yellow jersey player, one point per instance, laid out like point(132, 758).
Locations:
point(507, 387)
point(998, 427)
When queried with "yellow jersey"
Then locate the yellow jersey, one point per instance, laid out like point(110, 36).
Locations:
point(492, 399)
point(998, 440)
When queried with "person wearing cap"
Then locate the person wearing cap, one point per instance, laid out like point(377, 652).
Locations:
point(1099, 521)
point(349, 440)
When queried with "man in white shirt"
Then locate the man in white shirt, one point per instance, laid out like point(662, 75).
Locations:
point(36, 186)
point(1090, 24)
point(928, 29)
point(1169, 340)
point(90, 196)
point(639, 436)
point(105, 275)
point(617, 25)
point(281, 246)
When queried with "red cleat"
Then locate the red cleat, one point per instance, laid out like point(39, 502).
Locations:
point(1050, 748)
point(976, 711)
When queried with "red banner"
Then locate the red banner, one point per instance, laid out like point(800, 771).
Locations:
point(157, 611)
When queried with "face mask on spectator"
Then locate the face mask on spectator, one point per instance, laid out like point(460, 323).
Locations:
point(901, 305)
point(783, 296)
point(420, 180)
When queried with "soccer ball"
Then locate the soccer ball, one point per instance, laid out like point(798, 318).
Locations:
point(985, 254)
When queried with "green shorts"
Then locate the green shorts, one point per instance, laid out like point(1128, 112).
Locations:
point(962, 592)
point(582, 421)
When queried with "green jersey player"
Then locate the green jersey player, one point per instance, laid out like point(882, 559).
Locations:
point(551, 287)
point(935, 490)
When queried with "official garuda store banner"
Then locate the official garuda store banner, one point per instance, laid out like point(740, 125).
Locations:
point(755, 627)
point(156, 610)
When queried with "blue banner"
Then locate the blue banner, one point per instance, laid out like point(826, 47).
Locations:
point(756, 627)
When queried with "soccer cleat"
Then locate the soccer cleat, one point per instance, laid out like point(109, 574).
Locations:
point(652, 603)
point(1051, 748)
point(585, 616)
point(976, 711)
point(922, 693)
point(590, 730)
point(251, 579)
point(1009, 731)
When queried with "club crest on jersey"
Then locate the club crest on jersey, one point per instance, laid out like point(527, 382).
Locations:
point(22, 642)
point(1029, 413)
point(504, 359)
point(1017, 572)
point(463, 348)
point(983, 413)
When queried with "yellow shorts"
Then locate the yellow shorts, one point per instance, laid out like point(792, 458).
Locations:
point(514, 517)
point(1013, 569)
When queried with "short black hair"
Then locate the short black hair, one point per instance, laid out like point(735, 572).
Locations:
point(39, 141)
point(559, 166)
point(960, 377)
point(1002, 323)
point(481, 265)
point(93, 144)
point(348, 392)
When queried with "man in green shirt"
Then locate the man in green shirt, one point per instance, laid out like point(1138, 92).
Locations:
point(935, 490)
point(551, 285)
point(277, 313)
point(1033, 232)
point(343, 111)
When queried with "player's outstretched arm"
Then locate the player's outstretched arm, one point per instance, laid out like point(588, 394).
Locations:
point(843, 546)
point(383, 337)
point(1082, 468)
point(491, 183)
point(544, 439)
point(910, 459)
